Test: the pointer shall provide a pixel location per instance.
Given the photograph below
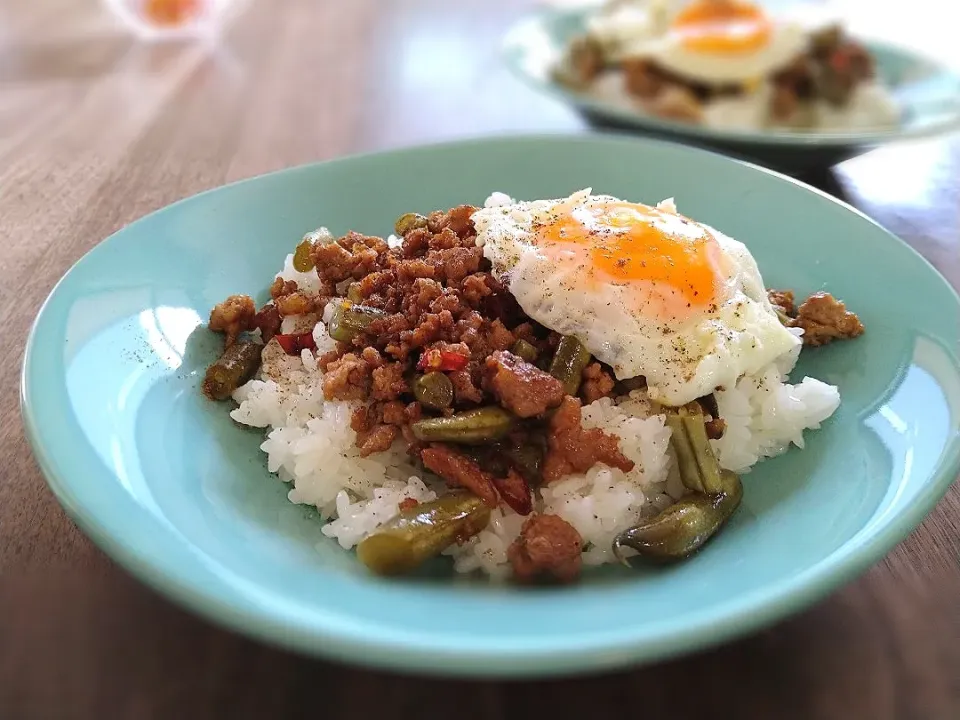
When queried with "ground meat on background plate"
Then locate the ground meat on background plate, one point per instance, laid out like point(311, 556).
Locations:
point(583, 62)
point(831, 72)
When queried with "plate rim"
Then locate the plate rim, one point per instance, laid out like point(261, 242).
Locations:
point(408, 653)
point(747, 138)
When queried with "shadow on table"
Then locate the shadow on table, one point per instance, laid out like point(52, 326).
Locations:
point(77, 58)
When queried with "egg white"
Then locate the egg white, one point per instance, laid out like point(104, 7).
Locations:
point(681, 361)
point(640, 29)
point(620, 25)
point(787, 40)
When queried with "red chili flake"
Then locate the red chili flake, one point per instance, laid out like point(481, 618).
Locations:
point(442, 360)
point(407, 504)
point(515, 492)
point(294, 344)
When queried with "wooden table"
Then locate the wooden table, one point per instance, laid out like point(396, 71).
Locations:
point(96, 130)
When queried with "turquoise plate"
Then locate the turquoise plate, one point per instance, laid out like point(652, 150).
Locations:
point(166, 484)
point(928, 94)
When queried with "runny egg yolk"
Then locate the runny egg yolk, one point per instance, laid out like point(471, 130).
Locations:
point(667, 264)
point(723, 27)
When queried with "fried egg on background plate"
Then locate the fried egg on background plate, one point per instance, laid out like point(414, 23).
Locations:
point(646, 290)
point(714, 42)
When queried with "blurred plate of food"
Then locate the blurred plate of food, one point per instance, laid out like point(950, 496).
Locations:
point(791, 87)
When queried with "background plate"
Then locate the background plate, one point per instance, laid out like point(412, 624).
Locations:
point(927, 92)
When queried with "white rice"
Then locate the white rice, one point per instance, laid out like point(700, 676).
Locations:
point(311, 446)
point(871, 106)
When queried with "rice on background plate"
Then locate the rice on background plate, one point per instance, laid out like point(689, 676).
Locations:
point(311, 445)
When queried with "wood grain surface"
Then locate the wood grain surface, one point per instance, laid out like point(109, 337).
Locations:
point(97, 130)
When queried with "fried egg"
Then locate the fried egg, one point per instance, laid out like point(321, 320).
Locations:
point(646, 290)
point(721, 42)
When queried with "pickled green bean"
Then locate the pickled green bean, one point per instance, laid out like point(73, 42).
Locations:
point(696, 461)
point(303, 256)
point(568, 363)
point(422, 532)
point(407, 222)
point(685, 526)
point(433, 390)
point(525, 351)
point(238, 364)
point(350, 320)
point(478, 427)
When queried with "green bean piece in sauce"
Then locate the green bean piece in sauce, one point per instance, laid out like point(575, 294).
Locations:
point(568, 363)
point(472, 427)
point(525, 351)
point(435, 390)
point(233, 368)
point(684, 527)
point(422, 532)
point(696, 461)
point(303, 256)
point(349, 320)
point(408, 222)
point(527, 458)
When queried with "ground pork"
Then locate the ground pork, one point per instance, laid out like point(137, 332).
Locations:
point(522, 388)
point(378, 439)
point(597, 383)
point(783, 301)
point(548, 546)
point(347, 378)
point(233, 316)
point(268, 320)
point(824, 319)
point(460, 471)
point(571, 448)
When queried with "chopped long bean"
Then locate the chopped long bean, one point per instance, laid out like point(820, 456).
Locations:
point(684, 527)
point(422, 532)
point(433, 390)
point(238, 364)
point(477, 427)
point(568, 363)
point(407, 222)
point(303, 256)
point(696, 461)
point(525, 350)
point(349, 320)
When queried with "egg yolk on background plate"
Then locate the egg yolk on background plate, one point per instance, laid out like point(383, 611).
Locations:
point(172, 12)
point(723, 27)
